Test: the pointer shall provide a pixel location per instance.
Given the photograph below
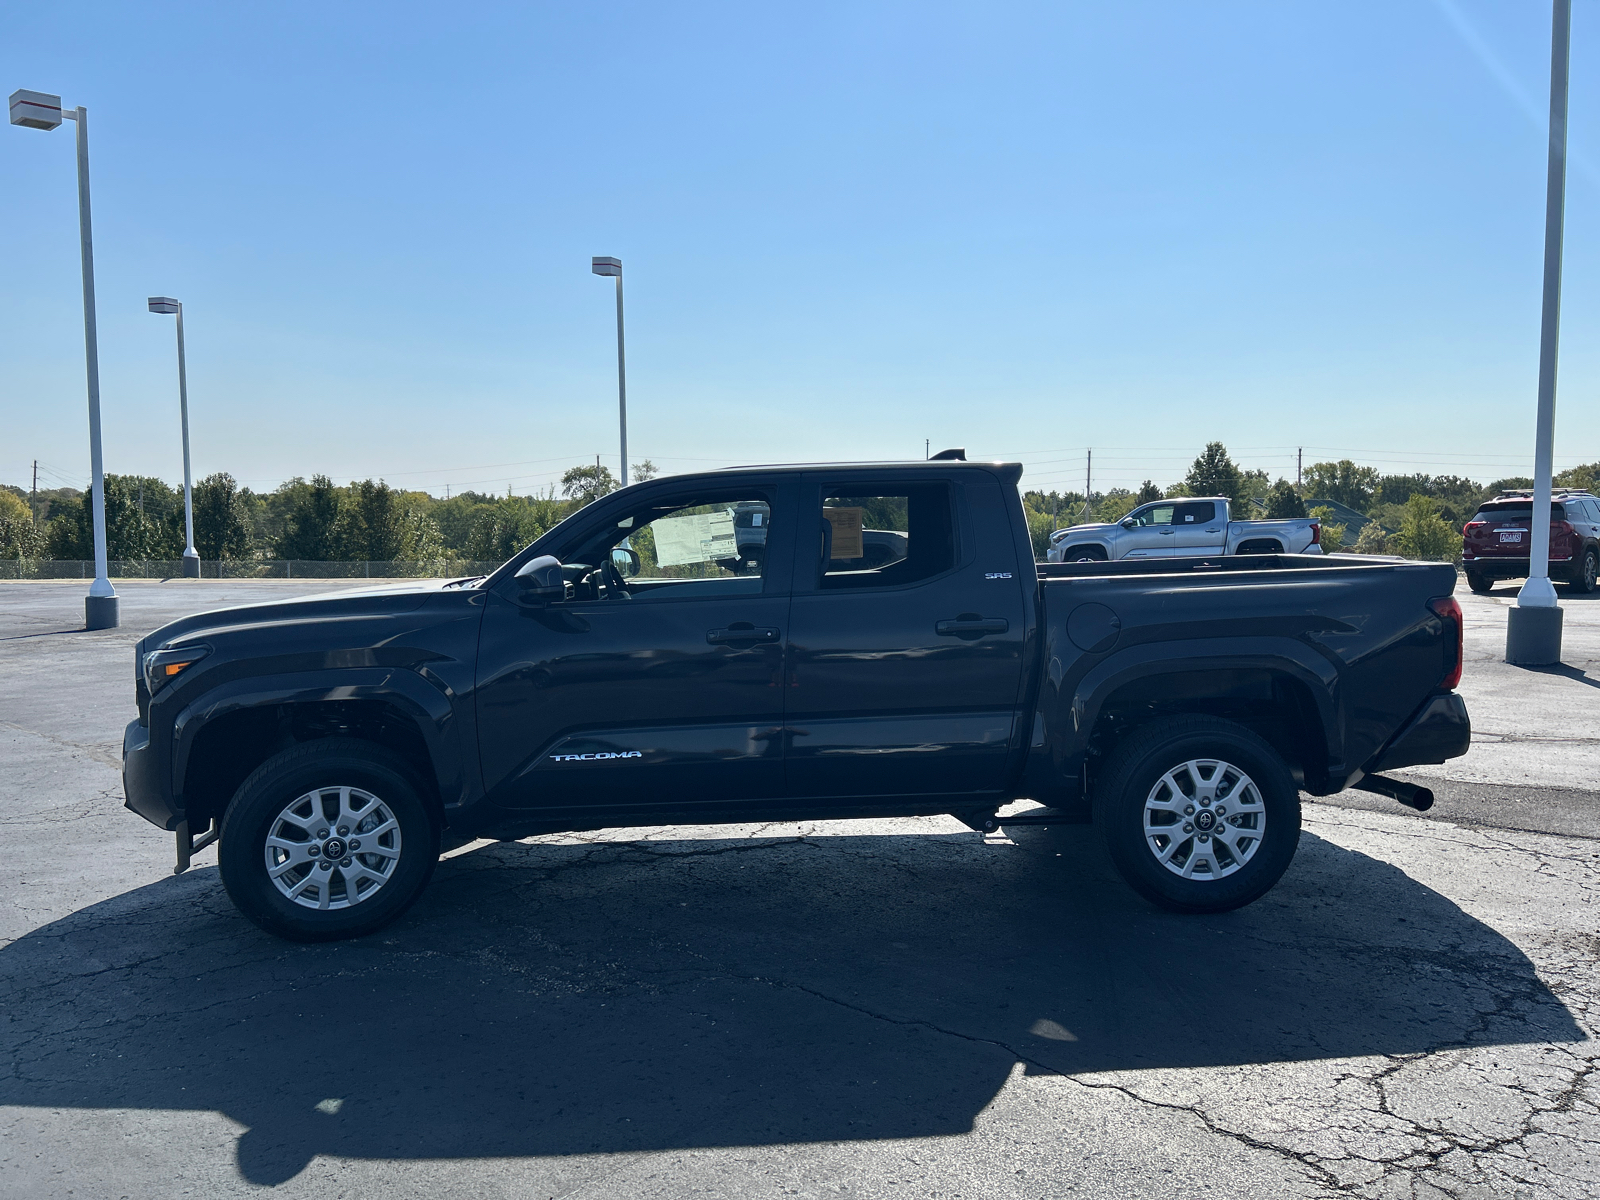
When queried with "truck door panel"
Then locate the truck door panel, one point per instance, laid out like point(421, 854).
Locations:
point(670, 696)
point(903, 679)
point(1199, 527)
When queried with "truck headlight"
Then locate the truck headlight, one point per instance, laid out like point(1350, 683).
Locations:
point(161, 666)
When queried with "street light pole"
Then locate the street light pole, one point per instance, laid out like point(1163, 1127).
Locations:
point(191, 557)
point(613, 267)
point(39, 110)
point(1533, 628)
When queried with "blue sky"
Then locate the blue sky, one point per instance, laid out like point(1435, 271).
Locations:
point(1026, 229)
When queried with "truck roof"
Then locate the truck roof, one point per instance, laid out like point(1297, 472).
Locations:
point(1010, 471)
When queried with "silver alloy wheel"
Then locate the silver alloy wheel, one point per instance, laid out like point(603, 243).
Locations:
point(333, 847)
point(1204, 819)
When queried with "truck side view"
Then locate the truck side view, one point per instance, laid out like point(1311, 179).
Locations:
point(1190, 527)
point(626, 670)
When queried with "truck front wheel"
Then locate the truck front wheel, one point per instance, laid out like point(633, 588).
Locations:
point(327, 840)
point(1199, 814)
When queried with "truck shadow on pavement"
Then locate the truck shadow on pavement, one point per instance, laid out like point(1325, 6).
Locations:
point(613, 997)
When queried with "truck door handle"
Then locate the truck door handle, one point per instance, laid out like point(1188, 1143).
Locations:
point(741, 631)
point(1168, 532)
point(971, 626)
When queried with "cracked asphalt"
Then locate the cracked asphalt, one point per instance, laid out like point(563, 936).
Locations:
point(834, 1009)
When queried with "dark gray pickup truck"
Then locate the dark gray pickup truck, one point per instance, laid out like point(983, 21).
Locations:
point(632, 668)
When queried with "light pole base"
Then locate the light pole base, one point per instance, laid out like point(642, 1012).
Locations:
point(100, 612)
point(191, 568)
point(1533, 636)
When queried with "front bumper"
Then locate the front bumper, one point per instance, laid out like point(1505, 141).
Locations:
point(142, 779)
point(1440, 731)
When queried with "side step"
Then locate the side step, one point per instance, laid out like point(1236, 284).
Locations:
point(1409, 794)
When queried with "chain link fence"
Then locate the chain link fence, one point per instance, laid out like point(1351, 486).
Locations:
point(264, 568)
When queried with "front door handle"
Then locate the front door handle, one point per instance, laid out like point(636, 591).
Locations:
point(967, 626)
point(741, 631)
point(1168, 532)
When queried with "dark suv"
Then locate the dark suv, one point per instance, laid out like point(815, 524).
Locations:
point(1495, 543)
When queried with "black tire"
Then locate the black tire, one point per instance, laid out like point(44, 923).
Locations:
point(1136, 770)
point(1584, 584)
point(1087, 554)
point(1479, 583)
point(385, 886)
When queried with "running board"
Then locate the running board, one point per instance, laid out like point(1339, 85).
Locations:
point(989, 822)
point(189, 847)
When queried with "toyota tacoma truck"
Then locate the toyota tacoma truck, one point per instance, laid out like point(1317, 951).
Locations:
point(625, 670)
point(1186, 528)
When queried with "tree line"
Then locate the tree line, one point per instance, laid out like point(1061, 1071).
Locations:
point(1419, 516)
point(300, 519)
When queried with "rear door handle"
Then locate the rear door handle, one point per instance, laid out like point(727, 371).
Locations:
point(969, 626)
point(741, 632)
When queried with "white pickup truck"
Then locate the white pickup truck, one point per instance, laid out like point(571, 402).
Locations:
point(1191, 527)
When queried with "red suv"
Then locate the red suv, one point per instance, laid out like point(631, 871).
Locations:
point(1496, 541)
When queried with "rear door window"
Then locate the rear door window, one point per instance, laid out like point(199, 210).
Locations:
point(1195, 512)
point(885, 536)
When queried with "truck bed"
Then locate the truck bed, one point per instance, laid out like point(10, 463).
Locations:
point(1351, 647)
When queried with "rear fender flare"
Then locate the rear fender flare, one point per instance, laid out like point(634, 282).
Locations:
point(1274, 654)
point(428, 708)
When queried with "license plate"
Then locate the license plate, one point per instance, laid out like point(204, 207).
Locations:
point(1511, 537)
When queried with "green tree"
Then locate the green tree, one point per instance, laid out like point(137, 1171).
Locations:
point(1373, 540)
point(644, 471)
point(1214, 474)
point(1424, 534)
point(504, 528)
point(1147, 492)
point(310, 519)
point(379, 524)
point(1283, 502)
point(588, 484)
point(1342, 482)
point(19, 536)
point(221, 521)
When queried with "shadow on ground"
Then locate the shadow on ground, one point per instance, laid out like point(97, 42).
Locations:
point(558, 1000)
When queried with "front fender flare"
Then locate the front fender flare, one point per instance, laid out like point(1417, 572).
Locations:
point(428, 708)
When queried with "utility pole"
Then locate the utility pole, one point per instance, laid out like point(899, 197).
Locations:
point(33, 499)
point(1088, 478)
point(1299, 461)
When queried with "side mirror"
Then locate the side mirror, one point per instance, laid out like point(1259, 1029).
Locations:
point(626, 560)
point(541, 579)
point(1129, 523)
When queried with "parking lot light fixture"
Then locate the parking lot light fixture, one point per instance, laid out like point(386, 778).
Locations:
point(191, 558)
point(613, 268)
point(41, 110)
point(1533, 627)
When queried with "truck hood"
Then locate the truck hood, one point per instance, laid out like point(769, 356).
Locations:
point(386, 600)
point(1093, 525)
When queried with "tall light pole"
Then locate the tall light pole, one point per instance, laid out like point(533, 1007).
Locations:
point(191, 557)
point(39, 110)
point(1533, 628)
point(613, 266)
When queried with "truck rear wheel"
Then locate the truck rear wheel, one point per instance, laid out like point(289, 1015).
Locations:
point(327, 840)
point(1199, 814)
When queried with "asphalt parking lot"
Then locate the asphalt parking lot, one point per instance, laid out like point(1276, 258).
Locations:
point(898, 1008)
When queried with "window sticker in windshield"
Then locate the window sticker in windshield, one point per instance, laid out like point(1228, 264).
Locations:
point(699, 538)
